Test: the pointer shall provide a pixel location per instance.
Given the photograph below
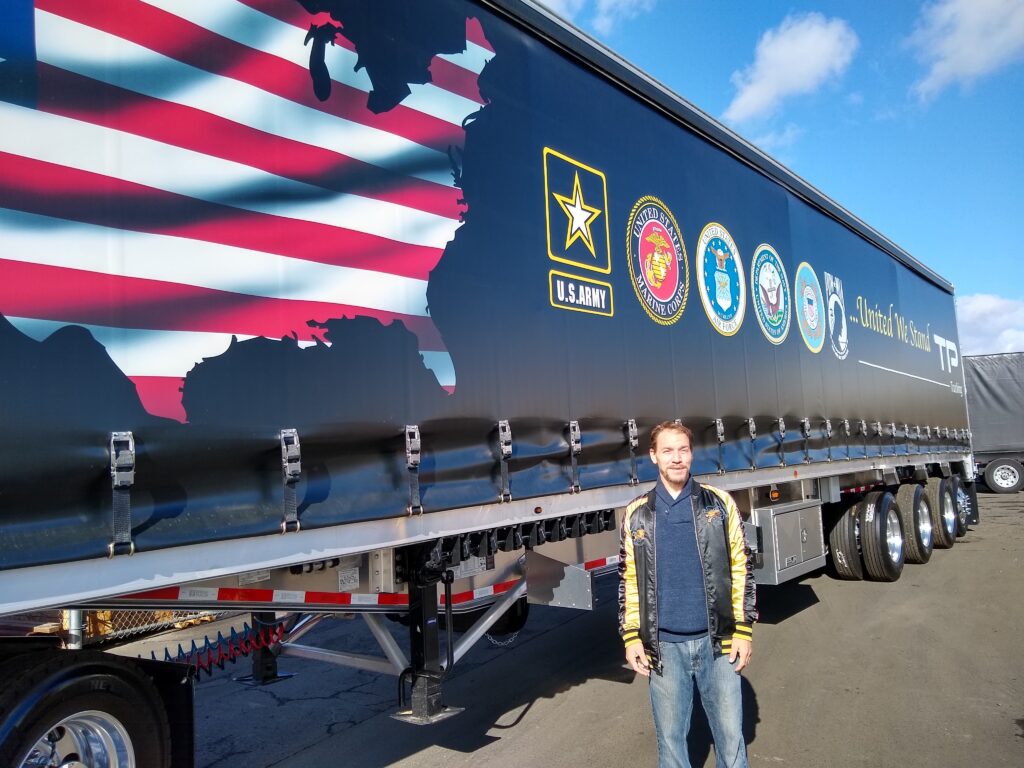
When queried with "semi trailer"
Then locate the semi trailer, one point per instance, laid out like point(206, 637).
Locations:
point(995, 401)
point(320, 307)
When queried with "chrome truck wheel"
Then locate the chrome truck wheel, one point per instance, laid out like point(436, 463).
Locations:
point(939, 492)
point(88, 739)
point(916, 522)
point(80, 709)
point(881, 536)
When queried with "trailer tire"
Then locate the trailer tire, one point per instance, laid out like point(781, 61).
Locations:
point(881, 536)
point(943, 508)
point(844, 547)
point(1004, 476)
point(961, 503)
point(916, 518)
point(81, 706)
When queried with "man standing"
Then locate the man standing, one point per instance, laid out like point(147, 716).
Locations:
point(686, 601)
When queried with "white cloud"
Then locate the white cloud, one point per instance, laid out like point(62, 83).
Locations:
point(963, 40)
point(799, 56)
point(607, 13)
point(611, 12)
point(565, 8)
point(990, 324)
point(776, 140)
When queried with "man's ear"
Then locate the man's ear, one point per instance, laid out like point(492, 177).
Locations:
point(654, 459)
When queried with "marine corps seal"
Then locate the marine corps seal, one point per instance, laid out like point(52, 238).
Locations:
point(658, 268)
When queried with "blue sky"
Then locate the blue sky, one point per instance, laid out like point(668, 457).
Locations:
point(910, 114)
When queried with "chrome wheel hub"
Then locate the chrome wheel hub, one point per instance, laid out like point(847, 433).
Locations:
point(924, 525)
point(949, 514)
point(894, 536)
point(84, 740)
point(1006, 477)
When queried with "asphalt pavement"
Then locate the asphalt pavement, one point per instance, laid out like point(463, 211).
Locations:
point(926, 671)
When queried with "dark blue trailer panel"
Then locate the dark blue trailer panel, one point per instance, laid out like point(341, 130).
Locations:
point(459, 215)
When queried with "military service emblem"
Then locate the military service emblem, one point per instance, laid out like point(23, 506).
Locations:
point(769, 293)
point(658, 268)
point(810, 310)
point(723, 290)
point(838, 333)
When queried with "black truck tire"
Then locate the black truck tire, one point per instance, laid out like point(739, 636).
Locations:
point(961, 503)
point(916, 518)
point(1004, 476)
point(881, 536)
point(943, 508)
point(81, 707)
point(844, 547)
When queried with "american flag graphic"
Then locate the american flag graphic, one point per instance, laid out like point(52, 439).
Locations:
point(168, 180)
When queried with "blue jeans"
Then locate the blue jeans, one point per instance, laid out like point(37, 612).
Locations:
point(685, 665)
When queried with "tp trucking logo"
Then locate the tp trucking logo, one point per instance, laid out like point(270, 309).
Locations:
point(658, 268)
point(769, 293)
point(838, 334)
point(810, 311)
point(723, 290)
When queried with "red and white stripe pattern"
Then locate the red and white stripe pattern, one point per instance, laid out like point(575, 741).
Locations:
point(179, 184)
point(212, 595)
point(601, 562)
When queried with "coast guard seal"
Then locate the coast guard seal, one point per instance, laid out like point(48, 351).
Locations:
point(769, 293)
point(723, 289)
point(658, 268)
point(810, 310)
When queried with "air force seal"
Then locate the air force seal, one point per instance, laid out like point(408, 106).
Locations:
point(837, 330)
point(723, 290)
point(769, 293)
point(810, 310)
point(658, 268)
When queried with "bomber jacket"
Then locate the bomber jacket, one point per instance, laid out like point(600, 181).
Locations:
point(728, 572)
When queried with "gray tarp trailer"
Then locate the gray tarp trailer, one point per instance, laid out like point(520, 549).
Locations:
point(324, 306)
point(995, 402)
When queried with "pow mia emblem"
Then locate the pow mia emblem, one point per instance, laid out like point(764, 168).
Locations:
point(838, 332)
point(658, 268)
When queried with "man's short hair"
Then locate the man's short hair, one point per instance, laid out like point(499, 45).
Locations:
point(675, 425)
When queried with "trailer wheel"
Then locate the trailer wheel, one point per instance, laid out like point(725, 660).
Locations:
point(916, 517)
point(961, 503)
point(844, 545)
point(1004, 476)
point(81, 708)
point(881, 536)
point(940, 499)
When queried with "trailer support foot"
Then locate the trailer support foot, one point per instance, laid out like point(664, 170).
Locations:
point(425, 671)
point(264, 659)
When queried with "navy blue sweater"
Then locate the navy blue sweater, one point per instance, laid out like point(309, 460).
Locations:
point(682, 603)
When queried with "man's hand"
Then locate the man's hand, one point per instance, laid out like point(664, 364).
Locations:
point(636, 656)
point(741, 649)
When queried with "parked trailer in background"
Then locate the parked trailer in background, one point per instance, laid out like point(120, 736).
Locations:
point(382, 326)
point(995, 401)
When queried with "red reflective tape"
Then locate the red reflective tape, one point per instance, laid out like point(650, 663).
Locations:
point(505, 586)
point(330, 598)
point(392, 598)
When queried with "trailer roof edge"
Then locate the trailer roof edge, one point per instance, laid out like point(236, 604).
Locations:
point(607, 62)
